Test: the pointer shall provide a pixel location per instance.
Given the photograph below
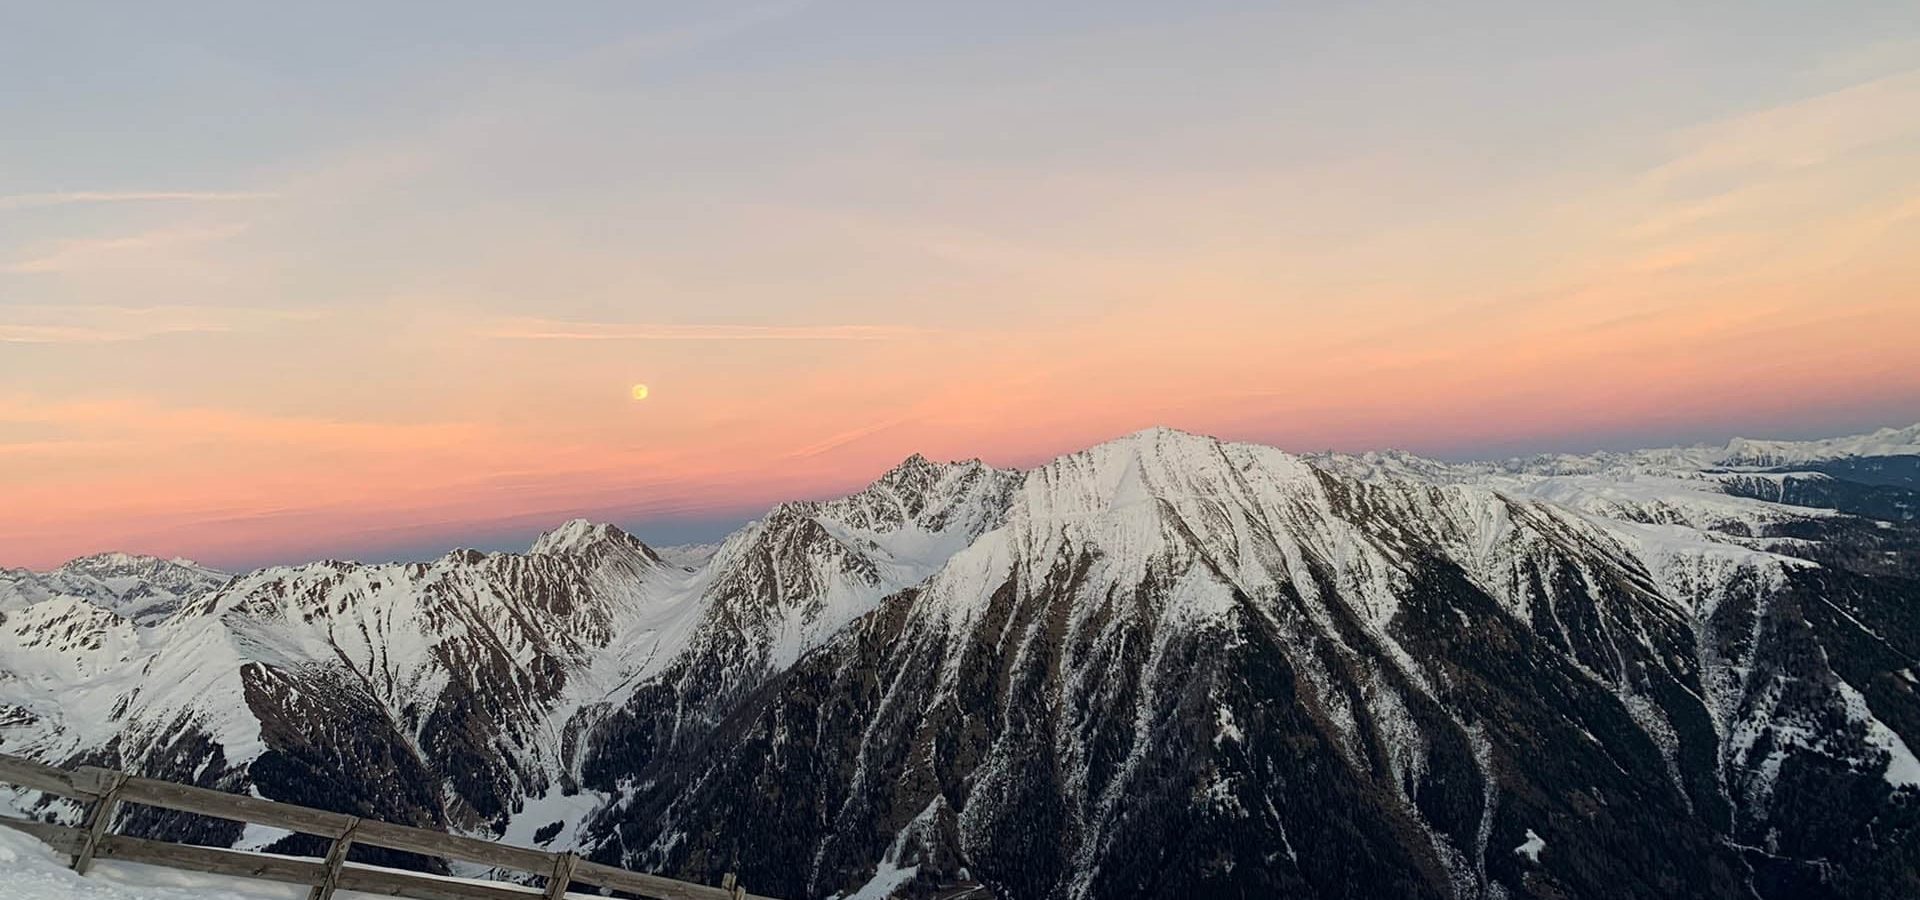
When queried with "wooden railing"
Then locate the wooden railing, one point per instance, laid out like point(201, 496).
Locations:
point(104, 790)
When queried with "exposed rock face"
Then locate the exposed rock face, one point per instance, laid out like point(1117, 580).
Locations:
point(1160, 667)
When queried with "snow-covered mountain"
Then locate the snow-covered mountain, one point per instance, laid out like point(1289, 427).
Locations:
point(1736, 453)
point(141, 589)
point(1162, 666)
point(83, 626)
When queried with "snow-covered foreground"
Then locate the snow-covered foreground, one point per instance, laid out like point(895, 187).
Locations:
point(35, 872)
point(31, 870)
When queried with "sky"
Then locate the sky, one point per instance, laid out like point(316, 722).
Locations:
point(374, 280)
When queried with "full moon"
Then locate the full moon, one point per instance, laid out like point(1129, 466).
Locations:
point(639, 392)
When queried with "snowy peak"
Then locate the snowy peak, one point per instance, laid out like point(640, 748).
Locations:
point(789, 581)
point(920, 494)
point(1158, 464)
point(109, 562)
point(915, 473)
point(590, 540)
point(143, 589)
point(151, 569)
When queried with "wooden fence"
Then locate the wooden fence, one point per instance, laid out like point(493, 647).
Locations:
point(104, 790)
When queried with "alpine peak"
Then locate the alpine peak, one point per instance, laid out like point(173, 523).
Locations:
point(580, 537)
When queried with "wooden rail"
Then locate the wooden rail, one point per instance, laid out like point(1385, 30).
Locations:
point(104, 790)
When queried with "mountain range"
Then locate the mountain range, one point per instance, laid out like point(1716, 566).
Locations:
point(1163, 666)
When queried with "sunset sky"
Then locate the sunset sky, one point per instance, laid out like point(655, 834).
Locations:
point(375, 280)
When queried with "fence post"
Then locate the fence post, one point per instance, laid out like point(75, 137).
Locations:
point(562, 875)
point(336, 857)
point(99, 817)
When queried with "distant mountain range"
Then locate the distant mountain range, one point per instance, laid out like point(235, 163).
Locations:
point(1165, 666)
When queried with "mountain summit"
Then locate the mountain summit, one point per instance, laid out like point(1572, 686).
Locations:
point(144, 589)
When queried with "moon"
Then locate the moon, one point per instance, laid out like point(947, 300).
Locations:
point(640, 392)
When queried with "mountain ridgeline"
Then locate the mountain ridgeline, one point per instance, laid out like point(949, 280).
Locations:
point(1165, 666)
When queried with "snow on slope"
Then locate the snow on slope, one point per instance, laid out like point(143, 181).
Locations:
point(71, 638)
point(1658, 501)
point(782, 585)
point(33, 871)
point(1736, 453)
point(143, 589)
point(1884, 442)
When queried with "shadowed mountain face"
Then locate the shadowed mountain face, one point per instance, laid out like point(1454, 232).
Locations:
point(1160, 667)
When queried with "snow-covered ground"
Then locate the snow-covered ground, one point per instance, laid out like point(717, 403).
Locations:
point(35, 872)
point(31, 870)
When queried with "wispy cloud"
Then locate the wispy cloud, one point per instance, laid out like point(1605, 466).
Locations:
point(57, 448)
point(557, 330)
point(135, 419)
point(841, 439)
point(84, 253)
point(1798, 133)
point(73, 198)
point(86, 324)
point(1827, 174)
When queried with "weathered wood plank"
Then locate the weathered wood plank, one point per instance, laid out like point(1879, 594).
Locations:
point(62, 838)
point(41, 777)
point(561, 876)
point(222, 805)
point(653, 886)
point(336, 857)
point(210, 860)
point(453, 846)
point(216, 861)
point(96, 780)
point(99, 814)
point(402, 884)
